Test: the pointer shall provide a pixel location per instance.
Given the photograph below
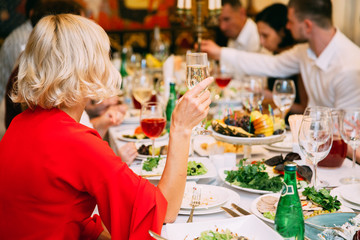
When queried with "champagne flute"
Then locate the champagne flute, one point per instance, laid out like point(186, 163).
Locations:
point(315, 137)
point(350, 133)
point(284, 95)
point(196, 71)
point(152, 121)
point(142, 88)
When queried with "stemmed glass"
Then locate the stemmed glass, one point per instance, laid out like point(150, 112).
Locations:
point(152, 121)
point(284, 95)
point(252, 92)
point(142, 88)
point(315, 137)
point(350, 133)
point(196, 71)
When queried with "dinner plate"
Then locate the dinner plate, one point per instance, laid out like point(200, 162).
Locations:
point(132, 116)
point(248, 140)
point(255, 211)
point(247, 226)
point(211, 173)
point(199, 140)
point(210, 197)
point(233, 197)
point(120, 133)
point(337, 191)
point(222, 176)
point(327, 220)
point(350, 193)
point(157, 144)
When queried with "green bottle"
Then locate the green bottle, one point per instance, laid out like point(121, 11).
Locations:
point(123, 71)
point(170, 105)
point(289, 218)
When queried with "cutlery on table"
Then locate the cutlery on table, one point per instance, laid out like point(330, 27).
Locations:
point(195, 201)
point(239, 209)
point(322, 228)
point(231, 212)
point(156, 236)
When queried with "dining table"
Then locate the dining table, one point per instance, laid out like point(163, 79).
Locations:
point(246, 198)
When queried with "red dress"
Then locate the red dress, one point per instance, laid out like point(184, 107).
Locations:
point(54, 170)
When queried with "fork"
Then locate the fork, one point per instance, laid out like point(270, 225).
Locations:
point(195, 201)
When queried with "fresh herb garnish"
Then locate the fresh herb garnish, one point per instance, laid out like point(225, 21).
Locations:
point(253, 176)
point(150, 163)
point(322, 198)
point(195, 168)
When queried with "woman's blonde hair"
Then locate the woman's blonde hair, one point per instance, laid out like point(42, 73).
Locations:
point(65, 62)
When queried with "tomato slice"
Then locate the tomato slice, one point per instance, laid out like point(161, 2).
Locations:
point(138, 130)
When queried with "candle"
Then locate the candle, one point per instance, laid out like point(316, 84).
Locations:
point(217, 4)
point(187, 4)
point(211, 4)
point(180, 4)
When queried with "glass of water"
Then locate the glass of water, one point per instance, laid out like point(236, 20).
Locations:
point(284, 93)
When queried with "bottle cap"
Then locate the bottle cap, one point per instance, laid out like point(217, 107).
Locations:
point(290, 166)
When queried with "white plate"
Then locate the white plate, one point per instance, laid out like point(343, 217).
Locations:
point(233, 197)
point(211, 173)
point(277, 149)
point(120, 133)
point(132, 116)
point(254, 210)
point(222, 176)
point(247, 226)
point(157, 144)
point(351, 205)
point(255, 150)
point(210, 197)
point(350, 193)
point(249, 140)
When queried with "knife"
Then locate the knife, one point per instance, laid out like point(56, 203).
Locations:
point(241, 210)
point(229, 211)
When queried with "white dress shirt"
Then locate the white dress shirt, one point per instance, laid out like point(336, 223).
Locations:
point(331, 80)
point(13, 45)
point(248, 39)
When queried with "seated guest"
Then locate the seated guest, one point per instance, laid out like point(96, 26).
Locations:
point(55, 170)
point(274, 36)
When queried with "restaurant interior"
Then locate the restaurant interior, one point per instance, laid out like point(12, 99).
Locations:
point(252, 142)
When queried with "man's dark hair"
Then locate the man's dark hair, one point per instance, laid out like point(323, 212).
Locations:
point(319, 11)
point(276, 17)
point(53, 7)
point(233, 3)
point(30, 5)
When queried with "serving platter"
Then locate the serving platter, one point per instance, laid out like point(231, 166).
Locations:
point(120, 135)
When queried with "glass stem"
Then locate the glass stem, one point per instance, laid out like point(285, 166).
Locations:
point(315, 176)
point(153, 147)
point(282, 115)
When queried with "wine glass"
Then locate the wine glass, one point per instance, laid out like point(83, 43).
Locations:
point(350, 132)
point(196, 71)
point(252, 92)
point(284, 95)
point(315, 137)
point(152, 121)
point(142, 88)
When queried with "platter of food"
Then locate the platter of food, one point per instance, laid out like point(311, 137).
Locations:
point(314, 203)
point(145, 149)
point(136, 135)
point(231, 228)
point(198, 168)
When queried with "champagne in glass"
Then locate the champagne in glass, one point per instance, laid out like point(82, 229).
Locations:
point(350, 132)
point(196, 71)
point(142, 85)
point(315, 137)
point(152, 121)
point(284, 95)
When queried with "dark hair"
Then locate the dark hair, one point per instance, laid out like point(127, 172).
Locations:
point(30, 5)
point(233, 3)
point(53, 7)
point(319, 11)
point(276, 17)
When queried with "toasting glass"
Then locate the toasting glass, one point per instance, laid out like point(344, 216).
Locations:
point(284, 95)
point(152, 121)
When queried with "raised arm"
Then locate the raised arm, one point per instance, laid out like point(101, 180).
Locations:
point(189, 111)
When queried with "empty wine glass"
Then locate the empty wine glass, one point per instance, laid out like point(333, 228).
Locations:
point(152, 121)
point(252, 92)
point(284, 95)
point(350, 133)
point(315, 137)
point(196, 71)
point(142, 85)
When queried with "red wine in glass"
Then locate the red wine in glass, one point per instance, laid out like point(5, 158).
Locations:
point(153, 127)
point(337, 154)
point(222, 80)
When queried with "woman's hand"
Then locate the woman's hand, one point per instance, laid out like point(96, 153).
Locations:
point(192, 107)
point(127, 152)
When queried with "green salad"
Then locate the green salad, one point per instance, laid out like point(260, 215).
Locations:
point(322, 198)
point(216, 235)
point(151, 163)
point(253, 176)
point(196, 168)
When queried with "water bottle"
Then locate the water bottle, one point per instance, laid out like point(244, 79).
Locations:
point(170, 105)
point(289, 218)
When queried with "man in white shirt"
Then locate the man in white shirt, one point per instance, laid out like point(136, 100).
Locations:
point(328, 62)
point(241, 30)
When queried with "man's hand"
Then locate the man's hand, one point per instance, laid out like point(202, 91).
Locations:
point(211, 48)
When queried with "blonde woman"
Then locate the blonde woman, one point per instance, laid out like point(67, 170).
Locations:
point(54, 170)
